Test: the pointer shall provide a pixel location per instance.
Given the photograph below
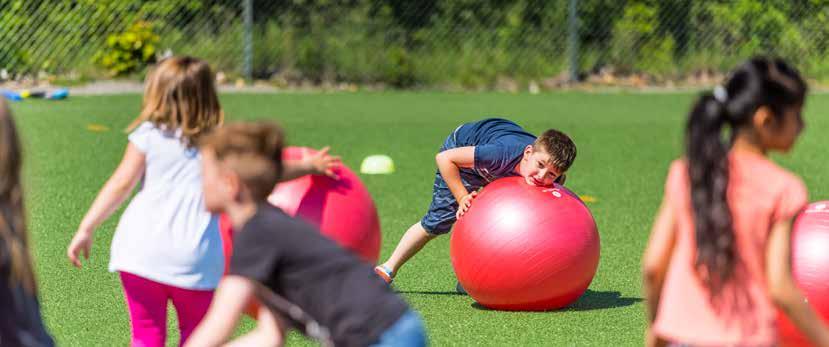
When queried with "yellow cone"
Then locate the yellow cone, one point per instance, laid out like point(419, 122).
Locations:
point(97, 128)
point(377, 165)
point(588, 198)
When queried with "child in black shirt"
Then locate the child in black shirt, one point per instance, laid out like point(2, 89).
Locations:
point(303, 279)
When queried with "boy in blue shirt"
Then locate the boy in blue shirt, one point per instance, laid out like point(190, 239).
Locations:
point(474, 155)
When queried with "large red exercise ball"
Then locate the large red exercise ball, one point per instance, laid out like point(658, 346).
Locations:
point(810, 267)
point(342, 209)
point(526, 248)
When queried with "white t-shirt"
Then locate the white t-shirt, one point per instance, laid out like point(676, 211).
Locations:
point(165, 234)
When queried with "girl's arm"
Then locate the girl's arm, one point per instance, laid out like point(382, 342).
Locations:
point(320, 163)
point(784, 291)
point(655, 261)
point(112, 195)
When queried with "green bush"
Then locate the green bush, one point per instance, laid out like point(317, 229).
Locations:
point(465, 43)
point(129, 51)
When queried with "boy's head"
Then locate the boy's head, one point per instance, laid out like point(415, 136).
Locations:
point(241, 162)
point(547, 158)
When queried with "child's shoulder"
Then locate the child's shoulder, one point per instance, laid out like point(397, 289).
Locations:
point(753, 165)
point(771, 173)
point(145, 126)
point(144, 130)
point(269, 219)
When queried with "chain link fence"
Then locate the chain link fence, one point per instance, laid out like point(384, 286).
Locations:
point(467, 44)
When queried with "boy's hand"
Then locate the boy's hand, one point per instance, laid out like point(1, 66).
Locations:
point(464, 204)
point(81, 242)
point(321, 163)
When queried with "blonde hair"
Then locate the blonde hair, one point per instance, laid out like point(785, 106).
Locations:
point(14, 249)
point(252, 150)
point(180, 94)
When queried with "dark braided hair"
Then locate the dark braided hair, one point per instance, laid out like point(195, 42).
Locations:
point(759, 82)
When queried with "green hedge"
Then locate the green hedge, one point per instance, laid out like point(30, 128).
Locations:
point(403, 43)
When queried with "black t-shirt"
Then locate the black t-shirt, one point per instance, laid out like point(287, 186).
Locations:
point(340, 297)
point(20, 321)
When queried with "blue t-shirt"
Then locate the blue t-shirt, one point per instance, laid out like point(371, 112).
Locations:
point(499, 146)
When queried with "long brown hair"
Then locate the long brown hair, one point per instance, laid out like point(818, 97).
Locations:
point(759, 82)
point(14, 249)
point(180, 94)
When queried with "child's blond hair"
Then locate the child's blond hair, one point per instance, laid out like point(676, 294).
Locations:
point(180, 94)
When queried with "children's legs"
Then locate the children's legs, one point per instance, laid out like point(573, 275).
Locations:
point(412, 242)
point(147, 303)
point(191, 306)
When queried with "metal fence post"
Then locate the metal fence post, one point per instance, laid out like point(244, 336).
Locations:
point(573, 40)
point(247, 64)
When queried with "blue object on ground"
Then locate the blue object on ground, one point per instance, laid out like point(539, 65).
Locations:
point(11, 95)
point(58, 94)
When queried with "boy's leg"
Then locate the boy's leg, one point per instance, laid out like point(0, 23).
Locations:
point(412, 242)
point(438, 220)
point(191, 306)
point(147, 303)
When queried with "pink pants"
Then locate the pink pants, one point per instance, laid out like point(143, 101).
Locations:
point(147, 302)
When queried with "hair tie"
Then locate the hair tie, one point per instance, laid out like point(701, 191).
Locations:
point(720, 94)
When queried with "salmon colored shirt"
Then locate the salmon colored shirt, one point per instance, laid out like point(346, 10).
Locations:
point(760, 194)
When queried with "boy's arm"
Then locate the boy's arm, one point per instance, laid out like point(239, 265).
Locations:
point(449, 164)
point(270, 331)
point(230, 300)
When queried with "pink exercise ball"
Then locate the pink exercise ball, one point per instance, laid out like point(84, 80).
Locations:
point(525, 248)
point(810, 266)
point(342, 209)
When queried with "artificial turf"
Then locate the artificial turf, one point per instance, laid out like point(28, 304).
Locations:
point(625, 143)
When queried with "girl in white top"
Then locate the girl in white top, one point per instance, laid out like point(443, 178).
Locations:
point(167, 246)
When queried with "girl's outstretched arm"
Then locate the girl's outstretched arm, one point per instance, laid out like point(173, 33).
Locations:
point(783, 289)
point(117, 189)
point(319, 163)
point(655, 261)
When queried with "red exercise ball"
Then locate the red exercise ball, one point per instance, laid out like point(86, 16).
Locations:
point(527, 248)
point(810, 266)
point(342, 209)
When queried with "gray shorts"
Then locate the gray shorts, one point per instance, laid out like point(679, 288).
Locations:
point(441, 214)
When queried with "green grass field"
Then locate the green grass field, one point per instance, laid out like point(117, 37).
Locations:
point(625, 142)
